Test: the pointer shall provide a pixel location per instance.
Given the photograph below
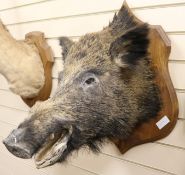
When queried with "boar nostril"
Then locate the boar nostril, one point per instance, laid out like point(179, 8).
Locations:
point(16, 145)
point(18, 150)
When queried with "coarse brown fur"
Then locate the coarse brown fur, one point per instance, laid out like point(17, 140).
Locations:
point(106, 88)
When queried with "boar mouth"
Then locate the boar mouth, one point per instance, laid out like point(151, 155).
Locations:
point(52, 150)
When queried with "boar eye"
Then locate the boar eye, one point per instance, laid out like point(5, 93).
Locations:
point(90, 81)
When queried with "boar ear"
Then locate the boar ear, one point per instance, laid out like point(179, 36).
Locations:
point(123, 20)
point(128, 49)
point(66, 44)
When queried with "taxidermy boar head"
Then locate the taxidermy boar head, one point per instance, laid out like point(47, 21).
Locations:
point(106, 89)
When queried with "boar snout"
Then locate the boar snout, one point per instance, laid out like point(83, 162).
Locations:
point(15, 144)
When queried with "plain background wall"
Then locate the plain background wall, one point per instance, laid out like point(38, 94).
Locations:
point(74, 18)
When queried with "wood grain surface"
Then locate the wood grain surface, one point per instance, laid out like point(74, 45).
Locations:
point(159, 51)
point(46, 56)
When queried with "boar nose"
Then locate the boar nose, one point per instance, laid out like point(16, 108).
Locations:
point(15, 144)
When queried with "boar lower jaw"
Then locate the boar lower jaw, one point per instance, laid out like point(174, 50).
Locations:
point(51, 151)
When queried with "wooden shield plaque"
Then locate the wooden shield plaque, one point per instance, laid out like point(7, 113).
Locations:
point(161, 125)
point(37, 38)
